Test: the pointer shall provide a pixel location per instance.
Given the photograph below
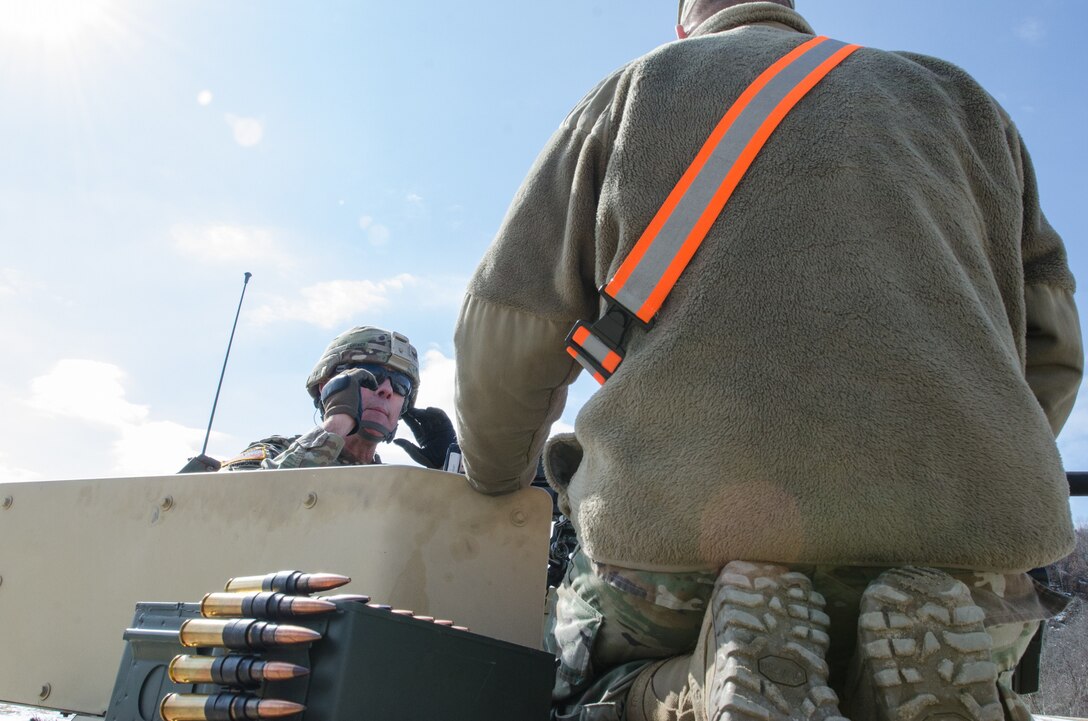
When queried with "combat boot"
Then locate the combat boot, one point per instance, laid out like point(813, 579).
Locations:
point(923, 653)
point(760, 656)
point(770, 639)
point(662, 692)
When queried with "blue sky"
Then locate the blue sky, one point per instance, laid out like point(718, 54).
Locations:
point(357, 159)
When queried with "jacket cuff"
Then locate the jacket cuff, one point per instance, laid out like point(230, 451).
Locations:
point(1054, 354)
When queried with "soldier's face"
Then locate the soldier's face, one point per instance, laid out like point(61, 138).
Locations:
point(382, 406)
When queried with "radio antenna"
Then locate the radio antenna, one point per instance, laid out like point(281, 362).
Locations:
point(203, 462)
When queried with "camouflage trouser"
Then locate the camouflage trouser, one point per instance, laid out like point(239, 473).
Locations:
point(608, 622)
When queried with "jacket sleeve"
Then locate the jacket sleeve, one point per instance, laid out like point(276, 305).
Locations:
point(314, 449)
point(511, 386)
point(1055, 359)
point(535, 280)
point(1054, 362)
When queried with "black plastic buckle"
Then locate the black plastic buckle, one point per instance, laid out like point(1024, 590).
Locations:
point(610, 332)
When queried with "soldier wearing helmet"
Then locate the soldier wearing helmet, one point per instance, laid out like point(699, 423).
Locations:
point(365, 381)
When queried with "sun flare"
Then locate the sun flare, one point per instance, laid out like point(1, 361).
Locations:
point(52, 23)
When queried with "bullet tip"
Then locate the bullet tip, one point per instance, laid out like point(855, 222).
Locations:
point(283, 671)
point(277, 708)
point(285, 634)
point(316, 582)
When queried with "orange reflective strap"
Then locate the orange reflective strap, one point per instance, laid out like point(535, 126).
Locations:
point(593, 371)
point(647, 238)
point(594, 355)
point(651, 269)
point(647, 275)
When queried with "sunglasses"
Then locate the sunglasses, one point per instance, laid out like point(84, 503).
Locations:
point(401, 383)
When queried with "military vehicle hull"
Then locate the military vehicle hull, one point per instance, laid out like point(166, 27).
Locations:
point(77, 556)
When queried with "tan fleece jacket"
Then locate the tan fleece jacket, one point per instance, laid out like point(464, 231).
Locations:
point(865, 362)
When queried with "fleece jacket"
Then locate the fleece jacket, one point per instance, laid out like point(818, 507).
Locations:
point(866, 362)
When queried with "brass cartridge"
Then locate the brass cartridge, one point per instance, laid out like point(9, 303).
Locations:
point(290, 582)
point(231, 670)
point(241, 634)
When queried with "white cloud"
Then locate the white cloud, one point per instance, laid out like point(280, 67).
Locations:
point(155, 447)
point(92, 392)
point(436, 376)
point(560, 427)
point(1031, 30)
point(85, 390)
point(204, 98)
point(333, 303)
point(247, 131)
point(14, 474)
point(376, 233)
point(11, 281)
point(226, 243)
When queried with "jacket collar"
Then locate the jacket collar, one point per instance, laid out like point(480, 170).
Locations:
point(750, 13)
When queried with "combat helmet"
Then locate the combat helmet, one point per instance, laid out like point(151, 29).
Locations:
point(366, 344)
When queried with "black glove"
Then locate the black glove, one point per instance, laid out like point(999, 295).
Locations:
point(341, 394)
point(433, 432)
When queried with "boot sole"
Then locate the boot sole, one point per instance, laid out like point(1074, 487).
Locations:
point(771, 635)
point(924, 651)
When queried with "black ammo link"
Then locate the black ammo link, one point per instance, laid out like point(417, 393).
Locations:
point(243, 634)
point(284, 582)
point(236, 671)
point(267, 605)
point(230, 706)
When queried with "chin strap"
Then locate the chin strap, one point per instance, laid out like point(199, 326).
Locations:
point(384, 434)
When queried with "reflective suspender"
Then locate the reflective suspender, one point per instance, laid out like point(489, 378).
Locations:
point(649, 272)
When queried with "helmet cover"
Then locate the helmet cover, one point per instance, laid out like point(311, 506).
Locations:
point(366, 344)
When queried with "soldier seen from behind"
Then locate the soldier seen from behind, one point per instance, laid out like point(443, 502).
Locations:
point(364, 383)
point(823, 460)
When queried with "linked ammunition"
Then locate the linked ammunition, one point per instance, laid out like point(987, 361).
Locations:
point(224, 707)
point(290, 582)
point(231, 670)
point(347, 597)
point(241, 634)
point(264, 605)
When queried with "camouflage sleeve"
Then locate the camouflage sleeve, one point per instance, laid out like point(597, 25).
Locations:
point(316, 448)
point(256, 453)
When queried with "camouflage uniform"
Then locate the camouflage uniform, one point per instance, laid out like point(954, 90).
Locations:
point(607, 623)
point(311, 450)
point(362, 344)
